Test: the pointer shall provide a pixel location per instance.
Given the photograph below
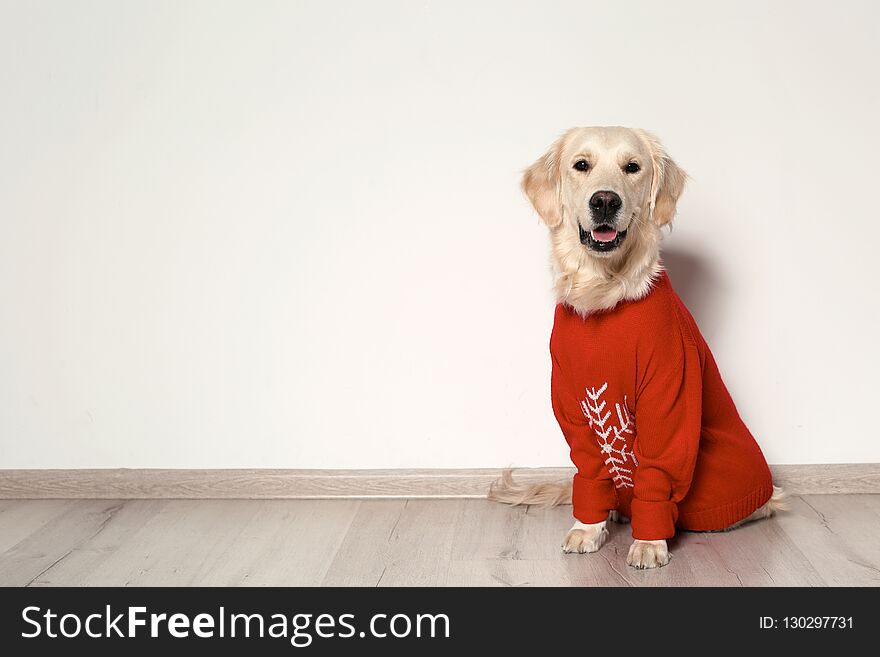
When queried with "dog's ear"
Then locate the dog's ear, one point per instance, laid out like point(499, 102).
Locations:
point(667, 182)
point(542, 184)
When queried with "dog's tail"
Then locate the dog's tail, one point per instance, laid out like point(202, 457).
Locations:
point(546, 494)
point(777, 502)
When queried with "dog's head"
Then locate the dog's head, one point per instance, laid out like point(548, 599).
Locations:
point(599, 185)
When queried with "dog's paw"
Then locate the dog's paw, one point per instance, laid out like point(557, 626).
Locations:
point(585, 538)
point(648, 554)
point(615, 516)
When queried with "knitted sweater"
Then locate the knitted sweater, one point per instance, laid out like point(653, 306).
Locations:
point(691, 463)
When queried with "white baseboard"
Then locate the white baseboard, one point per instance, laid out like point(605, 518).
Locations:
point(305, 484)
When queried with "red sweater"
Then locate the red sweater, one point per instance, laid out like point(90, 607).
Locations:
point(692, 463)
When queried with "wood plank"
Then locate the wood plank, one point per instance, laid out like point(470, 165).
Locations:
point(287, 543)
point(366, 548)
point(830, 539)
point(761, 554)
point(696, 562)
point(504, 546)
point(757, 554)
point(532, 556)
point(570, 570)
point(94, 555)
point(253, 484)
point(543, 533)
point(828, 478)
point(487, 530)
point(408, 545)
point(858, 478)
point(53, 541)
point(211, 543)
point(839, 534)
point(20, 518)
point(421, 543)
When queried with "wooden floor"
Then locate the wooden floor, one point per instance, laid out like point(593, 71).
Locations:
point(824, 540)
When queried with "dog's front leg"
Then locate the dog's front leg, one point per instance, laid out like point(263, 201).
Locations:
point(648, 554)
point(585, 538)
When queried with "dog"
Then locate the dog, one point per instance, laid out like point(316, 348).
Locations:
point(654, 434)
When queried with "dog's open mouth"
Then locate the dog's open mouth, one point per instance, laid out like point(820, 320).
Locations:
point(602, 238)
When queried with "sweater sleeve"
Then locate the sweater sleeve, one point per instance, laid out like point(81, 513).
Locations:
point(593, 494)
point(668, 423)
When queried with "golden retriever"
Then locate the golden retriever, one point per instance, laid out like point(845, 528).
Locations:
point(587, 176)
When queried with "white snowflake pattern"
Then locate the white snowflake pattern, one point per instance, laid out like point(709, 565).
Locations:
point(612, 438)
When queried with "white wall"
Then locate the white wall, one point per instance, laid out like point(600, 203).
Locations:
point(291, 235)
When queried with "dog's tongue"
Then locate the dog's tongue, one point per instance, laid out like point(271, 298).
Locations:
point(603, 234)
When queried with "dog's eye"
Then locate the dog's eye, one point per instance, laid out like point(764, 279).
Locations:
point(581, 165)
point(632, 167)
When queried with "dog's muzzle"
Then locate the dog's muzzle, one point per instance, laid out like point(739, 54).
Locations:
point(603, 238)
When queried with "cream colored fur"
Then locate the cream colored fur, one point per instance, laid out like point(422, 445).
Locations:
point(583, 279)
point(584, 538)
point(589, 281)
point(508, 491)
point(648, 554)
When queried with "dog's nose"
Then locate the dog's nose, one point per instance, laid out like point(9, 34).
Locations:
point(604, 204)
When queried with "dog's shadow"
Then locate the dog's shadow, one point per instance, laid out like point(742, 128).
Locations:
point(698, 284)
